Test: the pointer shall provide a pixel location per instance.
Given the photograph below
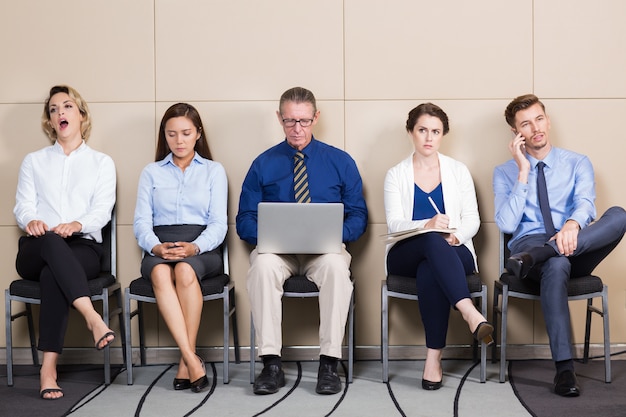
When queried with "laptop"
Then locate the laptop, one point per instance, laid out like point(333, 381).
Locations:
point(311, 228)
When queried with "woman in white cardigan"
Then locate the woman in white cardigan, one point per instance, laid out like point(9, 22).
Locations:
point(433, 191)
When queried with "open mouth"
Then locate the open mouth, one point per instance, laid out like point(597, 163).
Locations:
point(63, 123)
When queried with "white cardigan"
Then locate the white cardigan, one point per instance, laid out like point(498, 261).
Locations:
point(459, 197)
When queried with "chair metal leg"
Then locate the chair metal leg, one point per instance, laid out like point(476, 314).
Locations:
point(505, 309)
point(128, 345)
point(385, 331)
point(607, 339)
point(226, 315)
point(252, 350)
point(120, 319)
point(8, 322)
point(483, 346)
point(351, 339)
point(142, 333)
point(497, 292)
point(107, 350)
point(235, 327)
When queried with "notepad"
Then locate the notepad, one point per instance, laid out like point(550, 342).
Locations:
point(312, 228)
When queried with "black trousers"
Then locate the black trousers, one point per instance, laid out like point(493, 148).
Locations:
point(62, 267)
point(440, 271)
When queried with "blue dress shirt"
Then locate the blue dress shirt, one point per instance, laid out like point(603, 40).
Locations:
point(166, 195)
point(571, 191)
point(333, 178)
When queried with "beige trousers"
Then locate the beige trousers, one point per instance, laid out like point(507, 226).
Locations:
point(330, 272)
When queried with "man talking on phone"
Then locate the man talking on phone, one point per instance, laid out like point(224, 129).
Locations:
point(544, 198)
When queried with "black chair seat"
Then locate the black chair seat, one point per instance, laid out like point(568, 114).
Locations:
point(575, 286)
point(31, 289)
point(300, 284)
point(406, 285)
point(209, 286)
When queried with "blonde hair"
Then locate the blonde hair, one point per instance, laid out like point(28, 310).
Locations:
point(85, 126)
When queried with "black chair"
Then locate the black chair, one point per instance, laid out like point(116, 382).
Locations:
point(405, 287)
point(101, 289)
point(298, 286)
point(582, 288)
point(214, 288)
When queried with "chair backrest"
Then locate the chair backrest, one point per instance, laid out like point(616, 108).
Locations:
point(225, 261)
point(505, 252)
point(108, 262)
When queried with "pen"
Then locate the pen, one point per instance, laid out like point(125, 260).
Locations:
point(432, 203)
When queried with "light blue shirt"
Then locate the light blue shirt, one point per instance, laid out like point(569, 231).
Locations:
point(571, 191)
point(166, 195)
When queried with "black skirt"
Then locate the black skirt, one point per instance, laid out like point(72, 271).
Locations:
point(206, 265)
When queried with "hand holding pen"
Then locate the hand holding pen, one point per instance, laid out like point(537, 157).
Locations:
point(439, 221)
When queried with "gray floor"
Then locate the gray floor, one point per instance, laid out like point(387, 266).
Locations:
point(152, 394)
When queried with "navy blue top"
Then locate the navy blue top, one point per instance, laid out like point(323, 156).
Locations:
point(333, 178)
point(422, 209)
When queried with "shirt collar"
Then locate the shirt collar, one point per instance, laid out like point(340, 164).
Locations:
point(308, 150)
point(549, 160)
point(58, 148)
point(169, 159)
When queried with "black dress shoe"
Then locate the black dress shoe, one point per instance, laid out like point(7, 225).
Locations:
point(270, 380)
point(520, 264)
point(431, 386)
point(328, 381)
point(566, 384)
point(181, 384)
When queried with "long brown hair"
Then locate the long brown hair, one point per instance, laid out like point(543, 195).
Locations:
point(190, 112)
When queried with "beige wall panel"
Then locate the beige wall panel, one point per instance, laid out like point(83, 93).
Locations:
point(445, 49)
point(103, 49)
point(127, 133)
point(376, 137)
point(242, 50)
point(579, 50)
point(20, 134)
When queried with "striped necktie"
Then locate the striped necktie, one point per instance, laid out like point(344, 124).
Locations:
point(300, 179)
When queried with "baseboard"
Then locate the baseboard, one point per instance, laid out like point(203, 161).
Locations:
point(22, 355)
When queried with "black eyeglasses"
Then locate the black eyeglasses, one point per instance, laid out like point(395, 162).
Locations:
point(292, 122)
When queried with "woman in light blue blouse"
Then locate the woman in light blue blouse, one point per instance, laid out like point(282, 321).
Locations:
point(180, 223)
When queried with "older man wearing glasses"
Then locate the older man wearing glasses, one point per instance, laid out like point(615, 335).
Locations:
point(331, 177)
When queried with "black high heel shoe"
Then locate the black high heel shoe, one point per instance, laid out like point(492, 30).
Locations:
point(202, 382)
point(483, 333)
point(181, 384)
point(430, 385)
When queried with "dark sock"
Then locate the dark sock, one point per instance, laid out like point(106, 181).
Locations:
point(541, 254)
point(329, 360)
point(566, 365)
point(271, 360)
